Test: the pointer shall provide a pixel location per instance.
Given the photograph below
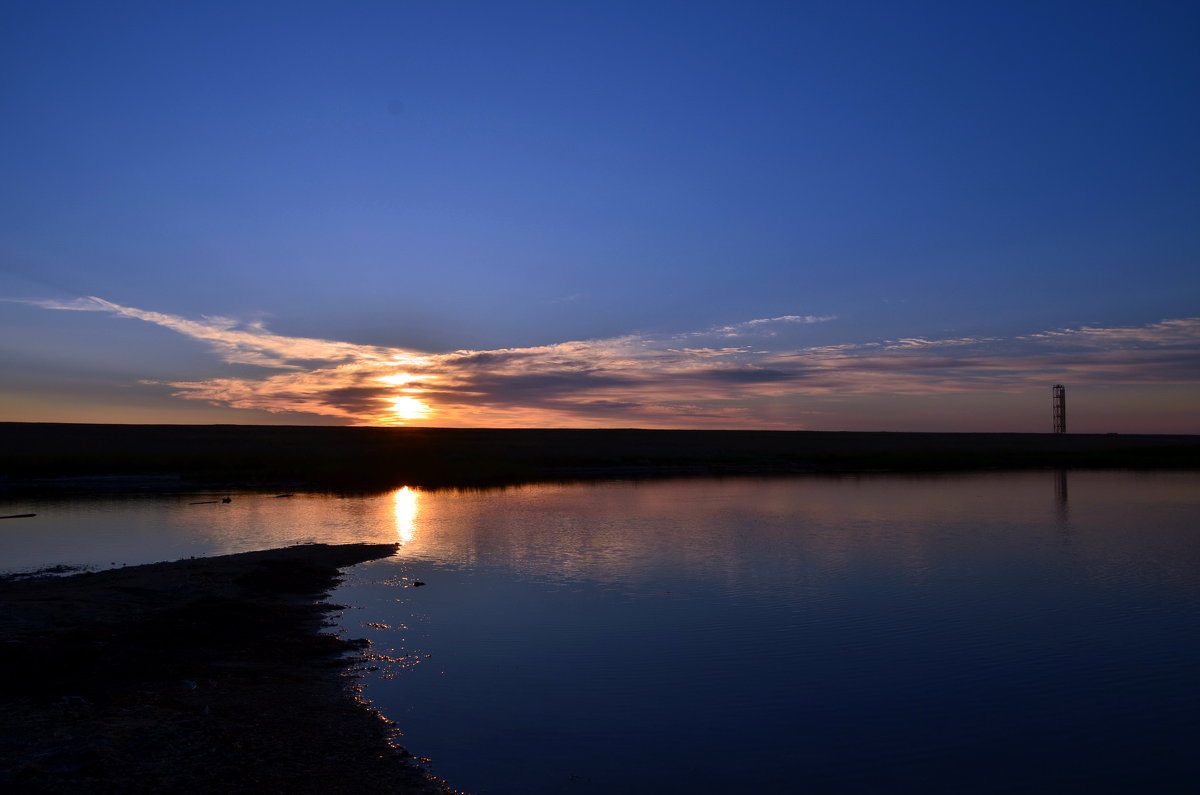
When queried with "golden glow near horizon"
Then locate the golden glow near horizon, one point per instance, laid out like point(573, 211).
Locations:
point(684, 380)
point(407, 407)
point(406, 504)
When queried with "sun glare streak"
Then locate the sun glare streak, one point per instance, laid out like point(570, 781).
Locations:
point(406, 505)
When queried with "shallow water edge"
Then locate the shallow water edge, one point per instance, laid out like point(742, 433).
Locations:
point(212, 673)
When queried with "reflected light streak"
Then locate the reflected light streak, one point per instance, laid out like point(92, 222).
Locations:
point(406, 506)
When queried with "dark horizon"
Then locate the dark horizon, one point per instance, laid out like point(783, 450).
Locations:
point(233, 456)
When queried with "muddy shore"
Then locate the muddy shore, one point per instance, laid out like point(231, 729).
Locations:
point(209, 674)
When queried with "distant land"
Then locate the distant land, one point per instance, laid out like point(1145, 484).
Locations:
point(90, 457)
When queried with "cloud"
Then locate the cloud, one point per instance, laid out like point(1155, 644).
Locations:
point(913, 343)
point(748, 375)
point(648, 381)
point(238, 343)
point(768, 321)
point(763, 326)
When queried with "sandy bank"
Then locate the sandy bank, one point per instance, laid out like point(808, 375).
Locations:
point(198, 675)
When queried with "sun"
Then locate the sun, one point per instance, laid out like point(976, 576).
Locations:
point(407, 407)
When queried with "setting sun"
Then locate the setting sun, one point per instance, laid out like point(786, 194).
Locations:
point(407, 407)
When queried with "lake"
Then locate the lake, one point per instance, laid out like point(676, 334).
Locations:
point(1032, 632)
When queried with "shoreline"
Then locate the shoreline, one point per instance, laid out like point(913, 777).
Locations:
point(199, 674)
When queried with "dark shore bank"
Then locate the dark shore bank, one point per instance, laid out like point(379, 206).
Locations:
point(202, 675)
point(107, 457)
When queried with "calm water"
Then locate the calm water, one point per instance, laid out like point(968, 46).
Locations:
point(1031, 632)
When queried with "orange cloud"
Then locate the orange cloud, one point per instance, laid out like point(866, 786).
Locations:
point(638, 380)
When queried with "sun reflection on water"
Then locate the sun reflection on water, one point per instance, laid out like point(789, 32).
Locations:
point(406, 506)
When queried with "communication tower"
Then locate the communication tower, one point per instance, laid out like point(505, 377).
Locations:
point(1060, 408)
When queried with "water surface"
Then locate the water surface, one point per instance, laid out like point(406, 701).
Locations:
point(985, 633)
point(1032, 632)
point(99, 532)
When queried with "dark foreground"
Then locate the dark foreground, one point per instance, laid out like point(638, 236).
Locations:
point(199, 675)
point(105, 457)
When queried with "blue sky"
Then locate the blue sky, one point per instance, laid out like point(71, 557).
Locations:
point(481, 177)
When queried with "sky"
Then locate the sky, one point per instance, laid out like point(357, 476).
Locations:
point(844, 215)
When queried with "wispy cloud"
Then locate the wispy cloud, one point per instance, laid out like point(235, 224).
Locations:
point(650, 381)
point(763, 326)
point(240, 343)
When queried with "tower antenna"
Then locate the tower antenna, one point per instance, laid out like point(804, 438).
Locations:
point(1060, 408)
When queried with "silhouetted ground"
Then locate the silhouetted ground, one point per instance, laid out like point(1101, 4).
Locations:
point(107, 457)
point(203, 675)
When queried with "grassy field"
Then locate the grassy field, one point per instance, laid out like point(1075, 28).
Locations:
point(35, 455)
